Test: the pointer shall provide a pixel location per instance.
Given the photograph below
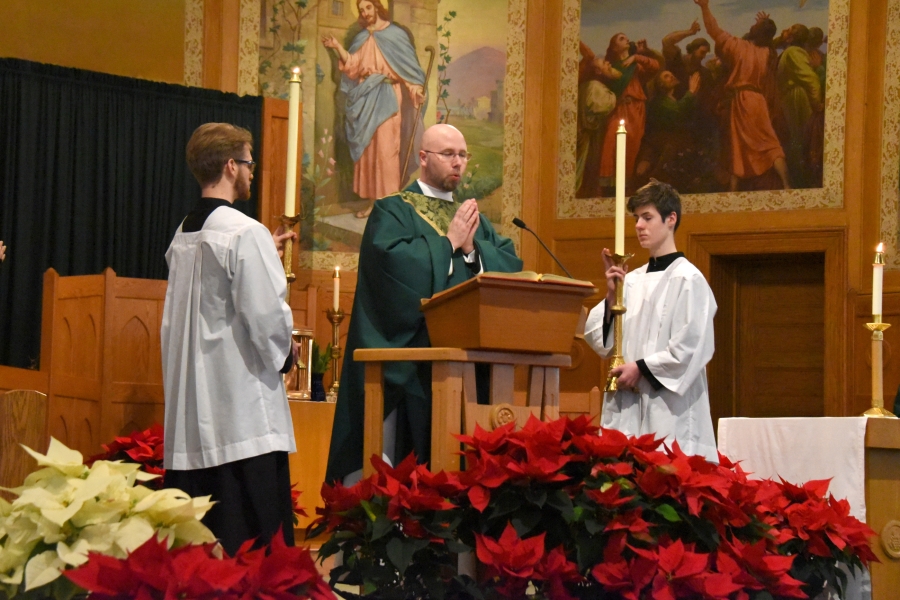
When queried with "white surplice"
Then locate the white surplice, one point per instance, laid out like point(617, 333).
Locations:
point(668, 324)
point(226, 333)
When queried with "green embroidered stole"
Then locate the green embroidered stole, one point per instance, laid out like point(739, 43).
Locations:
point(436, 212)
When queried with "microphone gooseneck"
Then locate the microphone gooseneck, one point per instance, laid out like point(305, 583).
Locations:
point(521, 225)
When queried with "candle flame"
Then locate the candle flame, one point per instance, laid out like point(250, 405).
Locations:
point(295, 70)
point(880, 247)
point(337, 270)
point(622, 122)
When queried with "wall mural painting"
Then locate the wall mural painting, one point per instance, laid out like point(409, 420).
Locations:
point(384, 71)
point(738, 106)
point(471, 69)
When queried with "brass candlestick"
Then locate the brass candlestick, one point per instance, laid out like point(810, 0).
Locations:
point(335, 316)
point(877, 328)
point(288, 258)
point(617, 311)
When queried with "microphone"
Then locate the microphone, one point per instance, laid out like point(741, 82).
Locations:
point(521, 225)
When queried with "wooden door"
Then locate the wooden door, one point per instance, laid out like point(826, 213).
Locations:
point(770, 336)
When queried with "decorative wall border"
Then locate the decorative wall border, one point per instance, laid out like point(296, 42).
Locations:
point(514, 119)
point(890, 139)
point(193, 43)
point(513, 143)
point(248, 49)
point(830, 195)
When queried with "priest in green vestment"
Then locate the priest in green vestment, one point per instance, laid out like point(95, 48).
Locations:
point(417, 243)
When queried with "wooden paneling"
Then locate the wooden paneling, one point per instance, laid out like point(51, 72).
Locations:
point(132, 396)
point(76, 359)
point(23, 420)
point(12, 378)
point(312, 430)
point(221, 36)
point(780, 337)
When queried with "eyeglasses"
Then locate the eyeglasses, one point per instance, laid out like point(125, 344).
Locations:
point(249, 163)
point(449, 156)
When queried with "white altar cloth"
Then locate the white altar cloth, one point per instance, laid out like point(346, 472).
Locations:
point(801, 449)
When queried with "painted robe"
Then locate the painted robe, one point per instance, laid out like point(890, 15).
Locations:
point(378, 78)
point(753, 144)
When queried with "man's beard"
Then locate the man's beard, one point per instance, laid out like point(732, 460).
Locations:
point(242, 190)
point(367, 20)
point(448, 184)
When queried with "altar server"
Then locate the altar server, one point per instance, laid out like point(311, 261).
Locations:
point(226, 339)
point(667, 333)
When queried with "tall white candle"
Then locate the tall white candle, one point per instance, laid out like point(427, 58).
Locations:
point(337, 288)
point(877, 279)
point(620, 188)
point(290, 185)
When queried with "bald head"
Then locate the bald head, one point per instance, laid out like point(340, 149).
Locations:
point(441, 135)
point(443, 157)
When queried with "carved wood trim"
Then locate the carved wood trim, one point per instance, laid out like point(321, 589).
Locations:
point(701, 248)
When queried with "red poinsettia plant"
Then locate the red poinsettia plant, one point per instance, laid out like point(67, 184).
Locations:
point(567, 510)
point(201, 572)
point(142, 447)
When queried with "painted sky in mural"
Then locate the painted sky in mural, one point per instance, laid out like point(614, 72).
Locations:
point(474, 99)
point(686, 103)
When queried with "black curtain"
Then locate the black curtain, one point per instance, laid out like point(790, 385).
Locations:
point(93, 175)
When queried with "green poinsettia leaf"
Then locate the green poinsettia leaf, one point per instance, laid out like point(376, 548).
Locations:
point(593, 526)
point(400, 551)
point(561, 501)
point(381, 527)
point(536, 496)
point(668, 512)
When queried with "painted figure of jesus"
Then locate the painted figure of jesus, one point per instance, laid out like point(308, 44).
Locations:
point(384, 86)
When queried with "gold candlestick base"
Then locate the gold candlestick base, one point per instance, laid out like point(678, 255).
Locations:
point(335, 316)
point(617, 311)
point(288, 258)
point(878, 411)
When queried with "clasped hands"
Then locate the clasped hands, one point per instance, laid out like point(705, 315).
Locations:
point(461, 231)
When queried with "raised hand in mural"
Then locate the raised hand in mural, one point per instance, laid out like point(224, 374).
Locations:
point(2, 251)
point(695, 27)
point(329, 41)
point(418, 95)
point(694, 82)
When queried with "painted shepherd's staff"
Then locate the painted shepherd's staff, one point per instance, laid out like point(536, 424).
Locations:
point(412, 138)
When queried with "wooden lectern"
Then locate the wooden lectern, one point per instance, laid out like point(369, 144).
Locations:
point(500, 319)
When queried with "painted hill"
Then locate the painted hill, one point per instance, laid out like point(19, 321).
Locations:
point(475, 74)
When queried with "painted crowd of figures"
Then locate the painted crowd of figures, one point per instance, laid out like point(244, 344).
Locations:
point(750, 116)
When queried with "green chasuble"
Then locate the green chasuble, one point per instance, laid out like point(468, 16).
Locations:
point(404, 257)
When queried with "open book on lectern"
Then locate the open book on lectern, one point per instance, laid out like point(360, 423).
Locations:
point(538, 277)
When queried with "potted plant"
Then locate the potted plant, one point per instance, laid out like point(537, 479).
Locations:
point(319, 363)
point(566, 511)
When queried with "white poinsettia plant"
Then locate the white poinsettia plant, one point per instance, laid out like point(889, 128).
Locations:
point(65, 510)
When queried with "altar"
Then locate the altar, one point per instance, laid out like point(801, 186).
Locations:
point(860, 455)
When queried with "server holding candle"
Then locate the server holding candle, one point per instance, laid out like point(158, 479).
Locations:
point(226, 334)
point(667, 333)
